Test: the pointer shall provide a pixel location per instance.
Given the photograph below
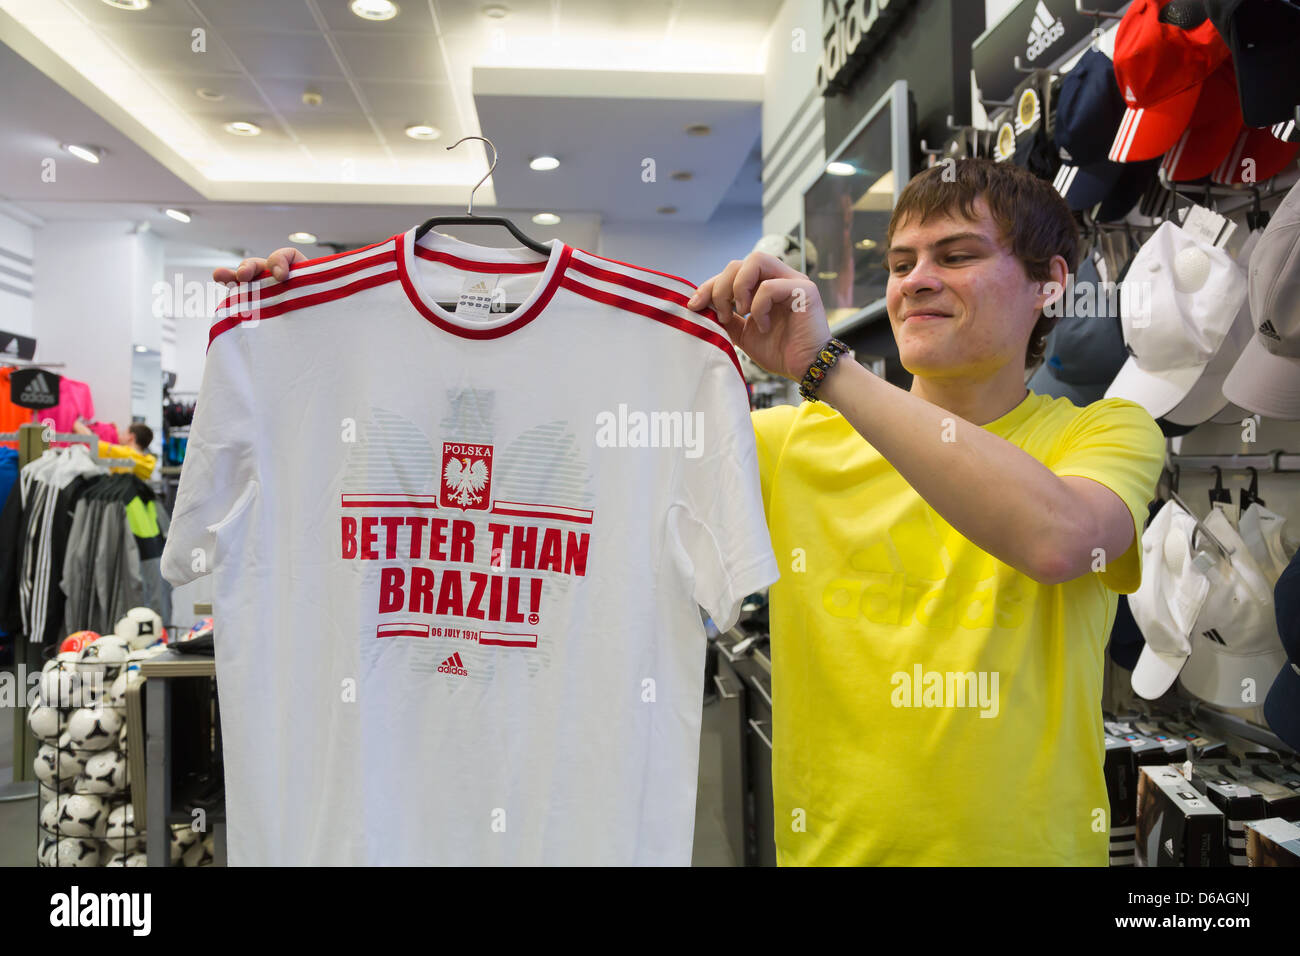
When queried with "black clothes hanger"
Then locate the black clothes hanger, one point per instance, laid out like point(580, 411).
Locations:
point(1219, 493)
point(469, 219)
point(1250, 496)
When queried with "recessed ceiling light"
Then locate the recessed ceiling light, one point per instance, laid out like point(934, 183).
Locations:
point(128, 4)
point(546, 219)
point(141, 348)
point(681, 175)
point(422, 132)
point(90, 154)
point(240, 128)
point(312, 98)
point(828, 275)
point(180, 215)
point(305, 238)
point(212, 96)
point(374, 9)
point(666, 210)
point(543, 163)
point(699, 129)
point(840, 169)
point(496, 11)
point(866, 245)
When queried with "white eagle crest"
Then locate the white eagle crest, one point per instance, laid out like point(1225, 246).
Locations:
point(464, 478)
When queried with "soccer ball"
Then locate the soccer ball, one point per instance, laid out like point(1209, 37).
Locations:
point(140, 627)
point(56, 768)
point(82, 815)
point(137, 859)
point(144, 653)
point(201, 629)
point(104, 656)
point(94, 728)
point(76, 851)
point(200, 854)
point(45, 849)
point(75, 641)
point(106, 772)
point(183, 838)
point(50, 813)
point(57, 684)
point(130, 674)
point(46, 723)
point(121, 823)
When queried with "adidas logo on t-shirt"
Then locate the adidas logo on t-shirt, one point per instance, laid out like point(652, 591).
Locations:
point(1044, 30)
point(36, 390)
point(1266, 328)
point(453, 665)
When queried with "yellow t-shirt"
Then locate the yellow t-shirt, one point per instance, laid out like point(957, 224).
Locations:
point(876, 589)
point(141, 463)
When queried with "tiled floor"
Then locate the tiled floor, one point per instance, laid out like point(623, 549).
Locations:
point(18, 819)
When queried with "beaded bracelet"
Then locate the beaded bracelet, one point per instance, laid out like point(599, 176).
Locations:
point(816, 374)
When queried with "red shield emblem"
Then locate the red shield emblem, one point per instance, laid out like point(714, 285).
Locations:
point(466, 476)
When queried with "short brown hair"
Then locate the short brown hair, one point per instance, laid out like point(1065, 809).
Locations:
point(1031, 216)
point(142, 434)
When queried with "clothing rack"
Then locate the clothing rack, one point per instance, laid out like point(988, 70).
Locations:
point(27, 654)
point(1274, 461)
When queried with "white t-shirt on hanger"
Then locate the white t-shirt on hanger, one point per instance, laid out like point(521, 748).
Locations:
point(457, 556)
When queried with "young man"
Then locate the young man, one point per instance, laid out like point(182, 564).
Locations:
point(950, 555)
point(136, 449)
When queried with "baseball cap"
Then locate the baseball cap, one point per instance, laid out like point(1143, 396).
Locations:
point(1165, 605)
point(1177, 304)
point(1210, 132)
point(1206, 398)
point(1264, 534)
point(1282, 705)
point(1235, 636)
point(1266, 154)
point(1266, 379)
point(1164, 50)
point(1288, 131)
point(1262, 38)
point(1086, 347)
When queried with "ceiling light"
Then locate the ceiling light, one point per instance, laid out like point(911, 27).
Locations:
point(496, 11)
point(866, 245)
point(543, 163)
point(666, 210)
point(828, 275)
point(212, 96)
point(546, 219)
point(840, 169)
point(699, 129)
point(240, 128)
point(90, 154)
point(423, 132)
point(141, 348)
point(302, 238)
point(681, 175)
point(180, 215)
point(312, 98)
point(374, 9)
point(128, 4)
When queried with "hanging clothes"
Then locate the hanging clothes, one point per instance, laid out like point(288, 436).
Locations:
point(11, 415)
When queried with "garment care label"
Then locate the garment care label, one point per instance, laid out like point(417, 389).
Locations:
point(480, 296)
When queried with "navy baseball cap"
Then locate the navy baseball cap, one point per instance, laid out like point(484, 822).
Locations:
point(1262, 37)
point(1084, 351)
point(1282, 705)
point(1088, 110)
point(1126, 640)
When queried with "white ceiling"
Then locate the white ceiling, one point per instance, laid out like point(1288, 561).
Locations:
point(647, 70)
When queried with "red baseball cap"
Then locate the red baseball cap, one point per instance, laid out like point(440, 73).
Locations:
point(1269, 154)
point(1210, 132)
point(1164, 51)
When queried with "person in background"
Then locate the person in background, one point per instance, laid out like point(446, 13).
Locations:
point(139, 437)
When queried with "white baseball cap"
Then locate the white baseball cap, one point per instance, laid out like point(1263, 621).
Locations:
point(1266, 379)
point(1206, 398)
point(1235, 636)
point(1165, 605)
point(1264, 533)
point(1178, 303)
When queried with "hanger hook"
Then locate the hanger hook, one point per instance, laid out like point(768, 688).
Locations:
point(469, 211)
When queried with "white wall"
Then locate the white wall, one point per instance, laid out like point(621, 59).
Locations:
point(994, 10)
point(793, 114)
point(93, 283)
point(693, 251)
point(16, 253)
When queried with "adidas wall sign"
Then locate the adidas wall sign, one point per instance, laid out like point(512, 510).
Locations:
point(1044, 30)
point(34, 388)
point(853, 28)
